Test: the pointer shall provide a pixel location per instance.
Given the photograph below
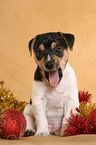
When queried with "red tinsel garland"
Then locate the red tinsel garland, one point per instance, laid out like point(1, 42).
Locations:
point(77, 124)
point(84, 96)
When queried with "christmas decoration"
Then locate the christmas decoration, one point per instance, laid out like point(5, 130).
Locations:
point(85, 121)
point(86, 108)
point(8, 101)
point(91, 120)
point(12, 124)
point(77, 125)
point(84, 96)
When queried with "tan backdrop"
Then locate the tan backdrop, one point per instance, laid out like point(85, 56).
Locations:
point(20, 20)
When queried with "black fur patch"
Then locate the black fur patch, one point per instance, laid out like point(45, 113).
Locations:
point(47, 39)
point(47, 75)
point(29, 133)
point(30, 101)
point(60, 74)
point(38, 74)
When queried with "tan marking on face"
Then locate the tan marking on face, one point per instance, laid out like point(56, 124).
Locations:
point(40, 62)
point(64, 59)
point(53, 45)
point(41, 46)
point(56, 58)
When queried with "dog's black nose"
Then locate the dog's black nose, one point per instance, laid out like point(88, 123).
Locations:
point(49, 65)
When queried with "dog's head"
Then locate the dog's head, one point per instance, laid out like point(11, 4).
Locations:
point(51, 54)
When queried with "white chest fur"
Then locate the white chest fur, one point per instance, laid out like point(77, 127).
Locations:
point(57, 100)
point(54, 106)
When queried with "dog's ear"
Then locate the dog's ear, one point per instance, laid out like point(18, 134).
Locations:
point(31, 45)
point(69, 39)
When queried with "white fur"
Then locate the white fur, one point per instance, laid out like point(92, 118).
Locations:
point(52, 105)
point(48, 58)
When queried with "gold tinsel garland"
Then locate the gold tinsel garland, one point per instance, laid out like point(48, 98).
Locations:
point(8, 101)
point(86, 108)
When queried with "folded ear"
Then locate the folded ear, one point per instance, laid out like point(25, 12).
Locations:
point(31, 45)
point(69, 39)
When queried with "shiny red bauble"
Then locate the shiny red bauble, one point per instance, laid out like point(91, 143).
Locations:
point(12, 124)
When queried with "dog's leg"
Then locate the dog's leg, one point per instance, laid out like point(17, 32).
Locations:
point(39, 106)
point(30, 120)
point(70, 104)
point(41, 120)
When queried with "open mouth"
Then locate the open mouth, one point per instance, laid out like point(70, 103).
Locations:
point(54, 77)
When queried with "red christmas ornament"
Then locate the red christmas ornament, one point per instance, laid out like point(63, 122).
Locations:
point(84, 96)
point(12, 124)
point(91, 120)
point(77, 125)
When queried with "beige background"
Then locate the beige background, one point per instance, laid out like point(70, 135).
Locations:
point(20, 20)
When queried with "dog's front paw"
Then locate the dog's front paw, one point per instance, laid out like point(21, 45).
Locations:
point(62, 133)
point(29, 133)
point(42, 133)
point(63, 129)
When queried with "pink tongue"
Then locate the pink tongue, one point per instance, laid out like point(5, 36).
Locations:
point(53, 78)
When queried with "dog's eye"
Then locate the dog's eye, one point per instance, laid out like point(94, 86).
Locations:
point(59, 52)
point(58, 49)
point(39, 54)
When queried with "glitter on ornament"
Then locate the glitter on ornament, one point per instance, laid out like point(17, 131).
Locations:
point(12, 124)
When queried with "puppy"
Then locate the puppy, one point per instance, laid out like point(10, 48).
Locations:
point(54, 92)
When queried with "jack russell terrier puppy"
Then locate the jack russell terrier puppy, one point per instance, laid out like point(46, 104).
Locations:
point(54, 91)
